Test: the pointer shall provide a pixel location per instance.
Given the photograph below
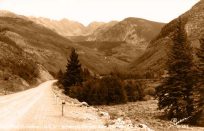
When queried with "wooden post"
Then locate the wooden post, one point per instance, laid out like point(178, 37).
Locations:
point(63, 103)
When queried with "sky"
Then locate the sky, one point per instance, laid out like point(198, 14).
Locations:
point(86, 11)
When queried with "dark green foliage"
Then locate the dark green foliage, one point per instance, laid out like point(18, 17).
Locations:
point(113, 90)
point(149, 91)
point(76, 92)
point(176, 93)
point(108, 90)
point(134, 91)
point(199, 101)
point(73, 74)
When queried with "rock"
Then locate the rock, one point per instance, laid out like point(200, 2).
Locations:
point(129, 123)
point(119, 123)
point(145, 127)
point(94, 109)
point(104, 114)
point(84, 104)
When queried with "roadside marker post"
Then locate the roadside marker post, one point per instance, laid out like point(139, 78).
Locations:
point(57, 99)
point(63, 103)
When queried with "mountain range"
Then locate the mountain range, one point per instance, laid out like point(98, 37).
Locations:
point(41, 46)
point(67, 27)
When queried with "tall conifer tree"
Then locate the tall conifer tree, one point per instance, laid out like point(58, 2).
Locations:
point(200, 80)
point(176, 92)
point(73, 74)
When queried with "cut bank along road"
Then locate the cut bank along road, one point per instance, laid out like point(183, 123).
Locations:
point(37, 109)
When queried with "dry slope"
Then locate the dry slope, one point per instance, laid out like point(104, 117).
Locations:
point(155, 56)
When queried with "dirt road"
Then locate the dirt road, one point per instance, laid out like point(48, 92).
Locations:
point(38, 109)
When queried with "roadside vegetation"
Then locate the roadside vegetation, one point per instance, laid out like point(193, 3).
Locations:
point(180, 95)
point(104, 90)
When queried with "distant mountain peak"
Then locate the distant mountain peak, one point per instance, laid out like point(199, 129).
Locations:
point(131, 30)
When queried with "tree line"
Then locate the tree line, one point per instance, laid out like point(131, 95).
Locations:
point(110, 89)
point(181, 93)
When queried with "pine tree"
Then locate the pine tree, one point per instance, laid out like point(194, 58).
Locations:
point(200, 79)
point(175, 94)
point(73, 75)
point(200, 55)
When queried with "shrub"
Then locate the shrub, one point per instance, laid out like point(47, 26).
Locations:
point(134, 91)
point(76, 92)
point(108, 90)
point(147, 97)
point(115, 91)
point(149, 91)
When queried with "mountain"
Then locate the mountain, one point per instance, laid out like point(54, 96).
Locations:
point(88, 30)
point(125, 40)
point(63, 27)
point(67, 27)
point(93, 26)
point(101, 30)
point(155, 56)
point(30, 52)
point(130, 30)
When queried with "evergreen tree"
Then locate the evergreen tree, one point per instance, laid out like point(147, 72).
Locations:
point(175, 94)
point(200, 55)
point(73, 75)
point(200, 79)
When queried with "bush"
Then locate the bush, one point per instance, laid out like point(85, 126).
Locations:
point(134, 91)
point(147, 97)
point(76, 92)
point(114, 89)
point(108, 90)
point(149, 91)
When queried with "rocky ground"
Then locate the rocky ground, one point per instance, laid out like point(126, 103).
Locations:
point(145, 113)
point(110, 123)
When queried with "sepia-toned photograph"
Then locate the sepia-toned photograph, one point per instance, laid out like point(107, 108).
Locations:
point(101, 65)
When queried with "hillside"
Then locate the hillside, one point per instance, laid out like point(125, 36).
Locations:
point(155, 56)
point(125, 40)
point(130, 30)
point(29, 51)
point(93, 26)
point(112, 39)
point(100, 30)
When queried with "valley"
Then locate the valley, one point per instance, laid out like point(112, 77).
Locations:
point(128, 73)
point(40, 43)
